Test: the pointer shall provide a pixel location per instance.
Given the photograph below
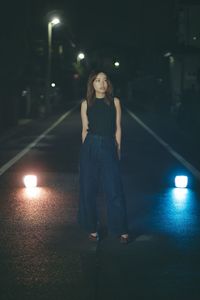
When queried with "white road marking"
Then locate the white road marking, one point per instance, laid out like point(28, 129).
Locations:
point(180, 158)
point(12, 161)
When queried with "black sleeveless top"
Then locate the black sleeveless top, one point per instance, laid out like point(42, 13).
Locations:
point(102, 118)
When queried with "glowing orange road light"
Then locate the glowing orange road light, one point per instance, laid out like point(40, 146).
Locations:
point(30, 181)
point(181, 181)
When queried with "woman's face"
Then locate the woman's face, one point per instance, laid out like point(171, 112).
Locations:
point(100, 84)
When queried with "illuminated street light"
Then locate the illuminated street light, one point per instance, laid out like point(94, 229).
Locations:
point(53, 22)
point(167, 54)
point(116, 64)
point(53, 84)
point(80, 56)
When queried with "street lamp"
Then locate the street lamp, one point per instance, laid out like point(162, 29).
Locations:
point(116, 64)
point(53, 22)
point(78, 64)
point(80, 56)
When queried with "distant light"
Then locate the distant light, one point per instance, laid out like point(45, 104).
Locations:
point(194, 38)
point(24, 93)
point(171, 59)
point(76, 76)
point(53, 84)
point(60, 49)
point(73, 44)
point(116, 64)
point(30, 181)
point(181, 181)
point(81, 56)
point(167, 54)
point(55, 21)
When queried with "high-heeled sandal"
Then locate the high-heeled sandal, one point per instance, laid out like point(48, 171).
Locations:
point(93, 238)
point(124, 239)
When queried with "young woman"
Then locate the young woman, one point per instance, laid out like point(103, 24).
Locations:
point(99, 159)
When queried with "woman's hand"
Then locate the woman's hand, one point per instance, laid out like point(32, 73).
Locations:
point(119, 153)
point(84, 134)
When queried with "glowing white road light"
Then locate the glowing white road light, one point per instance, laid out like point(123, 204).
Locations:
point(81, 56)
point(30, 181)
point(181, 181)
point(116, 64)
point(55, 21)
point(53, 84)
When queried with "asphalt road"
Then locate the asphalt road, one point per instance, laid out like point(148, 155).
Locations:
point(45, 255)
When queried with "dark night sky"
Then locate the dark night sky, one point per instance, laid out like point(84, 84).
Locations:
point(126, 27)
point(131, 24)
point(135, 23)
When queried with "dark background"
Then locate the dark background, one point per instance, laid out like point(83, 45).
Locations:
point(136, 33)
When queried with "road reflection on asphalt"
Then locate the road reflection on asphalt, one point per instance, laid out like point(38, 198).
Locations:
point(177, 212)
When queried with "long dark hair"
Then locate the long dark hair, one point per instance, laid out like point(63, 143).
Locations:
point(91, 91)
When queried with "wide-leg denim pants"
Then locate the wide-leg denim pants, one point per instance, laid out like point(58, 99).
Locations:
point(99, 163)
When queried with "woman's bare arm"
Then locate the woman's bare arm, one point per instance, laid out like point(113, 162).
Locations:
point(118, 132)
point(84, 119)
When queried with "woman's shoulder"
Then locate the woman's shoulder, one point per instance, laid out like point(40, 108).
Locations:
point(116, 101)
point(84, 102)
